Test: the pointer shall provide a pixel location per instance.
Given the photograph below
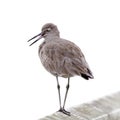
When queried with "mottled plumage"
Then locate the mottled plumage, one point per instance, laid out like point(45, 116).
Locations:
point(61, 57)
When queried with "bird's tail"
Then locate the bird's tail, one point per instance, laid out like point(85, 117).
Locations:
point(88, 75)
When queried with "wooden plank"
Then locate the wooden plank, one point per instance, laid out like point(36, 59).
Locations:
point(106, 108)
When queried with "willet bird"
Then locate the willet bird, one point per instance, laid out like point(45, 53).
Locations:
point(61, 58)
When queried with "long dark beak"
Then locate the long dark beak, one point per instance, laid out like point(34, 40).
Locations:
point(39, 37)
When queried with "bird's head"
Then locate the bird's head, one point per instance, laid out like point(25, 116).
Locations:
point(48, 30)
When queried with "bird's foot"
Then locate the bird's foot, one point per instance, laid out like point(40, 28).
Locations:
point(64, 111)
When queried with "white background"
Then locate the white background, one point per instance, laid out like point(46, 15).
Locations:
point(27, 90)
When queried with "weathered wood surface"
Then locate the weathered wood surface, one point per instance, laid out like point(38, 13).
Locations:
point(106, 108)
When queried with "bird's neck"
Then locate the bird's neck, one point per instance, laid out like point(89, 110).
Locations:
point(51, 37)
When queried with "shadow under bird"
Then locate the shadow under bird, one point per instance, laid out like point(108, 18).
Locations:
point(62, 58)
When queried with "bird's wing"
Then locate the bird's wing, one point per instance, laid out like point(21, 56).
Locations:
point(66, 52)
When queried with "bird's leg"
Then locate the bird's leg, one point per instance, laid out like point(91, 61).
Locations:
point(67, 88)
point(58, 87)
point(62, 108)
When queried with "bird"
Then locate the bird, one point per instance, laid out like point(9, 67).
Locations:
point(62, 58)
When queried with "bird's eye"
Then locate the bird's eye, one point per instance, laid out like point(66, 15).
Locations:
point(48, 29)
